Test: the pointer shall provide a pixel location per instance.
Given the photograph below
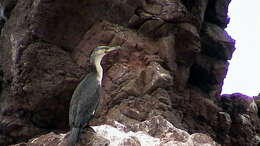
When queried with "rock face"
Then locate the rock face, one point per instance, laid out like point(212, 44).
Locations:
point(156, 131)
point(173, 64)
point(241, 116)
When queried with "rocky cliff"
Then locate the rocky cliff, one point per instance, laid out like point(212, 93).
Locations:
point(173, 64)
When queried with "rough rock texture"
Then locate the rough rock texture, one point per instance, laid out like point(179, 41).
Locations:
point(173, 64)
point(155, 131)
point(88, 138)
point(240, 116)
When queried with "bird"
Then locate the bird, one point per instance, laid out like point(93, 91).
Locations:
point(86, 96)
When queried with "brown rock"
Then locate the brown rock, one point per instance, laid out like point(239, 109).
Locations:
point(155, 76)
point(50, 139)
point(150, 27)
point(159, 127)
point(168, 11)
point(173, 63)
point(88, 138)
point(130, 141)
point(202, 139)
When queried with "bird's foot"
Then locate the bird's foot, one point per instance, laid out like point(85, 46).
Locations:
point(87, 127)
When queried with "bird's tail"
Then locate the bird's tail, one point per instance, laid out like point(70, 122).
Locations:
point(74, 136)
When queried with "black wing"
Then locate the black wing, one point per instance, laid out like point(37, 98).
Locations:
point(84, 101)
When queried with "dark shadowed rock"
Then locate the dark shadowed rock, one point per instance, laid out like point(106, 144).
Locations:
point(197, 9)
point(243, 112)
point(216, 42)
point(208, 74)
point(217, 12)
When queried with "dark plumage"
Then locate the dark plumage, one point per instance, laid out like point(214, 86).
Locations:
point(85, 98)
point(78, 115)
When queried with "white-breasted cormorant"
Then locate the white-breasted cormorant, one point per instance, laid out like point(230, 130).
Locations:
point(85, 98)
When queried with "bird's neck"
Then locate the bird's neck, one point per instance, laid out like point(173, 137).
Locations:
point(99, 70)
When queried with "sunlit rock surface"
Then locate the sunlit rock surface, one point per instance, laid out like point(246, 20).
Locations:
point(156, 131)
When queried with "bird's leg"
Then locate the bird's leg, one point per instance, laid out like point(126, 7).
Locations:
point(86, 126)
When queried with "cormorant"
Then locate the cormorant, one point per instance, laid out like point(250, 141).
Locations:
point(85, 98)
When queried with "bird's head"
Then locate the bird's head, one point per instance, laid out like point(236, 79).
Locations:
point(99, 52)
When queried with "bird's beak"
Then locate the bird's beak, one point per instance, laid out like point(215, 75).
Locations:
point(113, 48)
